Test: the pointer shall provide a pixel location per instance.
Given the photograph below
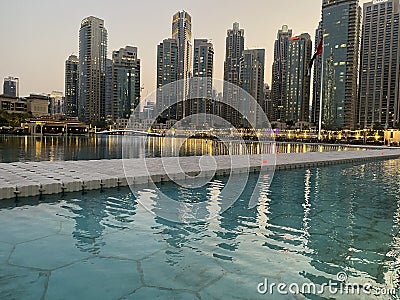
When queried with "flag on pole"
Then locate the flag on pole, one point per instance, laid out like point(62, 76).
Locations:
point(317, 52)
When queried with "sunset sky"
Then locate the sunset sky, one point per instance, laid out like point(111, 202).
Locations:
point(38, 36)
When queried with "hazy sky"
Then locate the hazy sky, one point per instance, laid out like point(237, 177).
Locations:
point(38, 36)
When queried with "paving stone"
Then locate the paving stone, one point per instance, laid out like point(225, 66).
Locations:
point(99, 278)
point(47, 253)
point(21, 283)
point(155, 293)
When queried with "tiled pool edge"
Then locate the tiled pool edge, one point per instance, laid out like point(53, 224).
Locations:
point(35, 178)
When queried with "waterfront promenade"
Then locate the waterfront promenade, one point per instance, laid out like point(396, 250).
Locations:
point(26, 179)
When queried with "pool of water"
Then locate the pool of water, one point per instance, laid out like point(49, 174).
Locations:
point(56, 148)
point(308, 226)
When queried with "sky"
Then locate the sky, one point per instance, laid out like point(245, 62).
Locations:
point(36, 37)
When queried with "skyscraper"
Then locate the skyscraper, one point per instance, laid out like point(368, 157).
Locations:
point(297, 95)
point(125, 82)
point(380, 65)
point(167, 73)
point(278, 87)
point(182, 33)
point(233, 52)
point(201, 87)
point(109, 88)
point(92, 70)
point(252, 81)
point(341, 25)
point(314, 116)
point(71, 86)
point(11, 86)
point(268, 105)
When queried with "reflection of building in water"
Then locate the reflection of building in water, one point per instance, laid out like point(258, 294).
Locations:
point(94, 216)
point(307, 207)
point(342, 222)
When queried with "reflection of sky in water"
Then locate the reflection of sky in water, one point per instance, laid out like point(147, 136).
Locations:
point(48, 148)
point(307, 226)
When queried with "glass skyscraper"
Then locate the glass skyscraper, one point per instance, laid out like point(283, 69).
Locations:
point(316, 96)
point(125, 82)
point(379, 68)
point(71, 86)
point(92, 70)
point(251, 80)
point(297, 95)
point(167, 74)
point(341, 25)
point(233, 52)
point(278, 87)
point(182, 33)
point(201, 85)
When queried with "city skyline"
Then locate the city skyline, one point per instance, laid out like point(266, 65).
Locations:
point(260, 27)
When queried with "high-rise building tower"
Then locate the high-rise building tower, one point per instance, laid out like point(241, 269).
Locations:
point(71, 86)
point(341, 26)
point(380, 65)
point(201, 85)
point(297, 95)
point(316, 96)
point(125, 82)
point(167, 73)
point(268, 105)
point(11, 86)
point(252, 81)
point(182, 32)
point(233, 52)
point(109, 88)
point(92, 70)
point(278, 86)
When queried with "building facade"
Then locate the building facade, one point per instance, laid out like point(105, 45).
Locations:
point(297, 95)
point(316, 95)
point(234, 48)
point(57, 103)
point(341, 26)
point(92, 70)
point(125, 82)
point(379, 65)
point(182, 33)
point(252, 66)
point(109, 89)
point(12, 104)
point(278, 85)
point(201, 85)
point(11, 86)
point(71, 86)
point(38, 105)
point(167, 74)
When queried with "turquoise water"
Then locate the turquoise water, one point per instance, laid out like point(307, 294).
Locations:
point(308, 226)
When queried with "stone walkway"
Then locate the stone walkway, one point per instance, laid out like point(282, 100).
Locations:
point(35, 178)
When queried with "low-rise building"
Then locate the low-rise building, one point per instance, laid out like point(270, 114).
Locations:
point(12, 104)
point(38, 105)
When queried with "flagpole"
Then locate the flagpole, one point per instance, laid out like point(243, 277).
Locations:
point(320, 92)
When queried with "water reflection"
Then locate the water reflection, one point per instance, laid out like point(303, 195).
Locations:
point(308, 225)
point(59, 148)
